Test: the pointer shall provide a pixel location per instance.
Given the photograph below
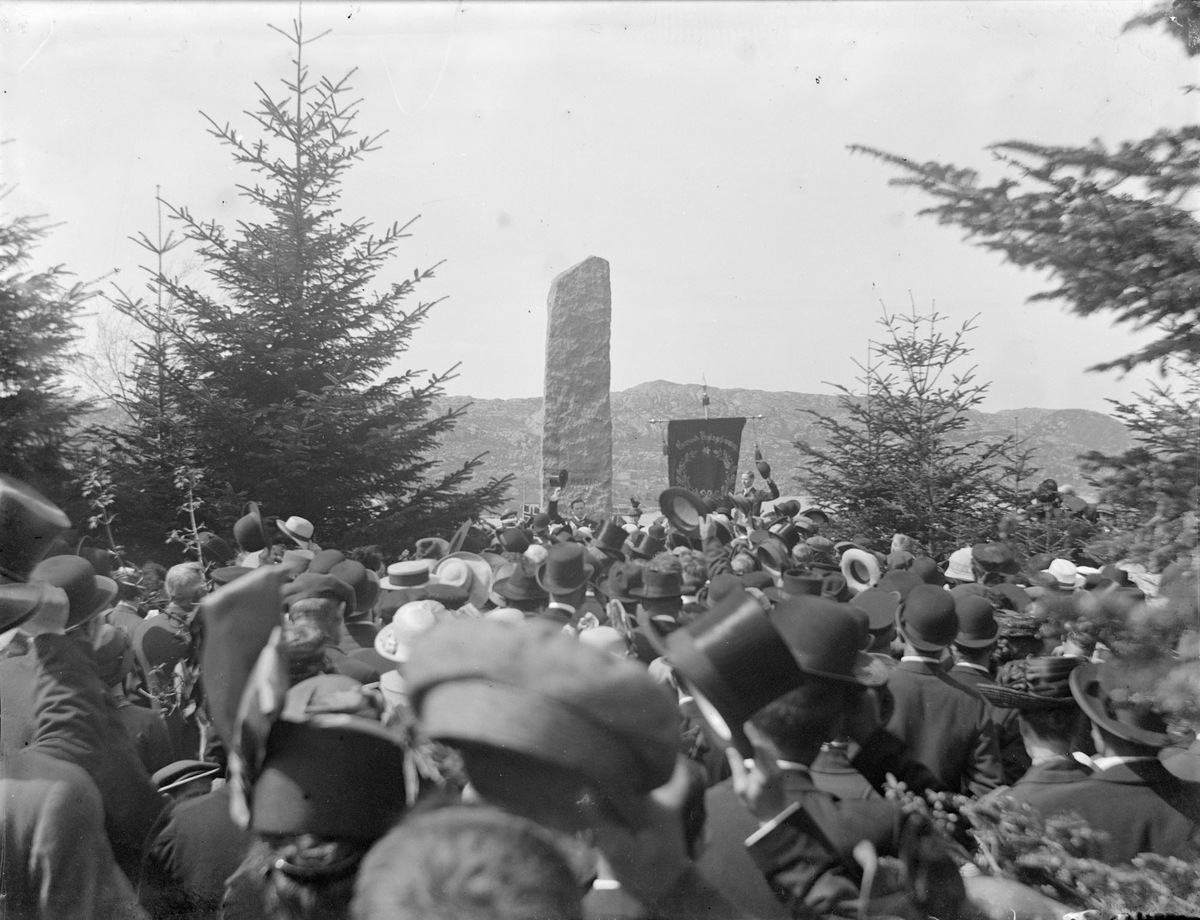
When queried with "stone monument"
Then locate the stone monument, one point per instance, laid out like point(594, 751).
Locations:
point(577, 416)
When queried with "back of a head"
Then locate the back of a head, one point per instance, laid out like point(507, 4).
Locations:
point(184, 584)
point(466, 863)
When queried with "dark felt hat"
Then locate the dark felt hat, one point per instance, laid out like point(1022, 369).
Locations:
point(995, 557)
point(565, 569)
point(522, 584)
point(216, 551)
point(540, 522)
point(1107, 698)
point(901, 582)
point(175, 776)
point(927, 618)
point(1032, 684)
point(541, 692)
point(324, 561)
point(338, 777)
point(228, 573)
point(683, 509)
point(622, 580)
point(29, 524)
point(772, 553)
point(309, 585)
point(515, 540)
point(824, 639)
point(815, 514)
point(759, 580)
point(431, 548)
point(879, 605)
point(977, 626)
point(797, 583)
point(787, 509)
point(646, 544)
point(18, 602)
point(786, 531)
point(159, 643)
point(87, 592)
point(734, 662)
point(1012, 597)
point(659, 585)
point(362, 581)
point(764, 468)
point(100, 558)
point(927, 569)
point(250, 531)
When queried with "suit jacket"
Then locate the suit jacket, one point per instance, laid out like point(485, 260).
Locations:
point(148, 730)
point(1013, 757)
point(1041, 782)
point(1137, 804)
point(947, 726)
point(791, 874)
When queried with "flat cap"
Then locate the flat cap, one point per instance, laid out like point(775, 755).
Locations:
point(538, 691)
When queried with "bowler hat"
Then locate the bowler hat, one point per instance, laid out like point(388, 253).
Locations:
point(683, 509)
point(29, 524)
point(308, 585)
point(1108, 699)
point(927, 619)
point(515, 540)
point(764, 468)
point(540, 692)
point(214, 549)
point(1032, 684)
point(522, 584)
point(297, 529)
point(977, 627)
point(879, 605)
point(825, 642)
point(565, 570)
point(901, 582)
point(734, 662)
point(927, 570)
point(87, 592)
point(250, 531)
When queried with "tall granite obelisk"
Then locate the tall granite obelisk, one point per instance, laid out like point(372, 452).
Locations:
point(577, 425)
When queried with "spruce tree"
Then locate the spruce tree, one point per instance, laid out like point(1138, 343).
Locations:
point(38, 408)
point(901, 462)
point(270, 375)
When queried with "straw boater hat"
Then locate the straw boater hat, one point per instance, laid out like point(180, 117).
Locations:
point(468, 571)
point(413, 573)
point(1032, 684)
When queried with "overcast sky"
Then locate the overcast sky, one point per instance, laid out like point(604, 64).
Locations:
point(699, 147)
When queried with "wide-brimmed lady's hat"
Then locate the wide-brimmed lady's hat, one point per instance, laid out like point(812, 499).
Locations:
point(298, 530)
point(469, 571)
point(1032, 684)
point(394, 641)
point(1116, 707)
point(87, 593)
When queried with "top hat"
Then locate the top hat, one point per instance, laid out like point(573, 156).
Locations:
point(87, 592)
point(521, 584)
point(646, 544)
point(1032, 684)
point(610, 538)
point(734, 662)
point(786, 531)
point(683, 509)
point(29, 523)
point(1116, 707)
point(797, 583)
point(927, 619)
point(297, 529)
point(564, 570)
point(824, 639)
point(977, 626)
point(250, 531)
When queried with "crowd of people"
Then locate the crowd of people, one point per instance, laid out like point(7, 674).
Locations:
point(700, 713)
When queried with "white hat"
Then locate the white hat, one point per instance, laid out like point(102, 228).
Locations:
point(1066, 574)
point(298, 529)
point(468, 571)
point(958, 567)
point(395, 640)
point(536, 553)
point(506, 615)
point(410, 574)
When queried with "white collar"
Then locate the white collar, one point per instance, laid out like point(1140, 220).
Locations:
point(923, 658)
point(558, 605)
